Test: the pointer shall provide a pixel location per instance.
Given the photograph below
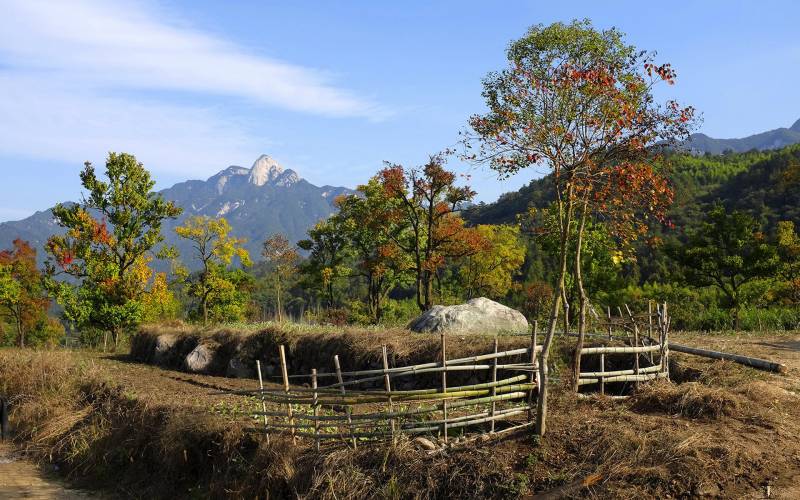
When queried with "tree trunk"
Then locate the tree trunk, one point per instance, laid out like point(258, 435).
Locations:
point(565, 220)
point(583, 300)
point(20, 331)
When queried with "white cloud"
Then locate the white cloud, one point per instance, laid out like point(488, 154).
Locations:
point(124, 45)
point(51, 122)
point(80, 78)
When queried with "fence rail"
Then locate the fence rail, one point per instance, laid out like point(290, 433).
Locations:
point(362, 405)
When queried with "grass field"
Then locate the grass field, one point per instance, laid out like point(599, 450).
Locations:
point(144, 431)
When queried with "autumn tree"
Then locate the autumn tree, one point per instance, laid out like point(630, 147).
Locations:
point(727, 251)
point(108, 237)
point(578, 102)
point(215, 250)
point(422, 212)
point(491, 270)
point(788, 243)
point(380, 262)
point(283, 258)
point(22, 298)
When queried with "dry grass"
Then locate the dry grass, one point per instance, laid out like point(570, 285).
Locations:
point(148, 432)
point(691, 400)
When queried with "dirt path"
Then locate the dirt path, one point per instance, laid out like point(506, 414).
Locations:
point(20, 479)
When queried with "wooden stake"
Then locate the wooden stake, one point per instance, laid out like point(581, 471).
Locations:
point(602, 370)
point(494, 388)
point(650, 324)
point(315, 406)
point(608, 308)
point(347, 407)
point(263, 401)
point(285, 373)
point(534, 377)
point(444, 386)
point(635, 342)
point(388, 384)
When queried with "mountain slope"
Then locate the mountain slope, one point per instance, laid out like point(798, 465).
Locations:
point(772, 139)
point(257, 201)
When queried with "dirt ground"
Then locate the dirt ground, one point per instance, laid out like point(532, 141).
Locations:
point(721, 431)
point(22, 479)
point(761, 447)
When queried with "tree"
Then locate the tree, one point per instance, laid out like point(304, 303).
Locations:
point(789, 253)
point(215, 248)
point(284, 259)
point(579, 102)
point(491, 270)
point(727, 251)
point(22, 296)
point(104, 255)
point(328, 249)
point(379, 260)
point(422, 212)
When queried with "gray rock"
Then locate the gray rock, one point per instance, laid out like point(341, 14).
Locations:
point(479, 315)
point(163, 349)
point(200, 359)
point(425, 444)
point(239, 369)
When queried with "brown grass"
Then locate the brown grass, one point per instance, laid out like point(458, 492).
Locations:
point(148, 432)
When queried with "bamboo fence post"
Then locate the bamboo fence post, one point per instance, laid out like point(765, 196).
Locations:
point(666, 339)
point(343, 391)
point(602, 370)
point(534, 374)
point(444, 386)
point(494, 388)
point(650, 324)
point(635, 343)
point(315, 406)
point(608, 309)
point(263, 401)
point(387, 382)
point(285, 373)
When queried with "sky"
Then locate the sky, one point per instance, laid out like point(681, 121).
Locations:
point(330, 89)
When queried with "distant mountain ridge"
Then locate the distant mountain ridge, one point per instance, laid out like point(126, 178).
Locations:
point(771, 139)
point(257, 201)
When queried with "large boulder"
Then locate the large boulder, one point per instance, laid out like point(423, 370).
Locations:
point(200, 359)
point(479, 315)
point(163, 349)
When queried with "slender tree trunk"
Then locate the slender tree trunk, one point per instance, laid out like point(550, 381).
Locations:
point(20, 331)
point(583, 301)
point(565, 220)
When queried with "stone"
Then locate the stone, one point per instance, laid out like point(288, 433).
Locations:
point(239, 369)
point(479, 315)
point(425, 444)
point(163, 349)
point(200, 359)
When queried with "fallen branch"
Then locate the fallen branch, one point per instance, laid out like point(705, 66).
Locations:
point(761, 364)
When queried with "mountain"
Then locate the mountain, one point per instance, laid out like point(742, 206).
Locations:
point(257, 201)
point(772, 139)
point(764, 183)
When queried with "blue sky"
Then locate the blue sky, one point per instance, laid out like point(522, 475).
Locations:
point(330, 89)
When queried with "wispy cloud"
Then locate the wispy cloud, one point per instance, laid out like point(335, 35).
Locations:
point(82, 77)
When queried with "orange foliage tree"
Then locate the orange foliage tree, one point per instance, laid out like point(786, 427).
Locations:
point(578, 102)
point(21, 294)
point(421, 211)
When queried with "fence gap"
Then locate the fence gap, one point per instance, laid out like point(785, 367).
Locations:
point(263, 401)
point(285, 373)
point(347, 410)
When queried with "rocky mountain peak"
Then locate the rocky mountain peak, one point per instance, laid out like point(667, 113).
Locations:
point(796, 126)
point(264, 170)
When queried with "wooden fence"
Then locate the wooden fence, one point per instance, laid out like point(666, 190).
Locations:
point(363, 405)
point(646, 337)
